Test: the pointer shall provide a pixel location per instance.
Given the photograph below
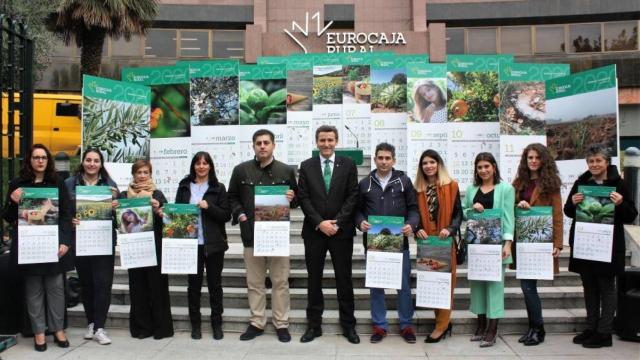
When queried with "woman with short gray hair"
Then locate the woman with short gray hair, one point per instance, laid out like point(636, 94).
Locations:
point(598, 278)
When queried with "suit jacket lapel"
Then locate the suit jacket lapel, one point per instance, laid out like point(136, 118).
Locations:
point(336, 167)
point(317, 168)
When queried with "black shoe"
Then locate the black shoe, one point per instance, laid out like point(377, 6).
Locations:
point(39, 347)
point(283, 335)
point(251, 333)
point(442, 336)
point(196, 332)
point(536, 337)
point(351, 335)
point(524, 337)
point(378, 334)
point(217, 331)
point(597, 340)
point(583, 336)
point(310, 334)
point(61, 343)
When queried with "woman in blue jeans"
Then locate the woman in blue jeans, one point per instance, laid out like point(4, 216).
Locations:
point(537, 184)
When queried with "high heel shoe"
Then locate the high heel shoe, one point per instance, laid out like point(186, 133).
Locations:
point(39, 347)
point(480, 329)
point(527, 335)
point(61, 343)
point(430, 340)
point(537, 337)
point(491, 334)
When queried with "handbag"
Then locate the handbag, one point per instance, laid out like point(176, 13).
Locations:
point(461, 248)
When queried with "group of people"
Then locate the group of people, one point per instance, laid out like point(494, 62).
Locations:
point(334, 204)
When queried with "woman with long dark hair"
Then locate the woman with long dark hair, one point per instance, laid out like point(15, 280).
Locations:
point(440, 215)
point(598, 277)
point(537, 184)
point(202, 188)
point(95, 272)
point(44, 282)
point(150, 313)
point(489, 192)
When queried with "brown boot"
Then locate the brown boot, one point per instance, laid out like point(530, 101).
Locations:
point(480, 329)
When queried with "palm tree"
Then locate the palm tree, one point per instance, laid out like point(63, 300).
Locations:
point(88, 22)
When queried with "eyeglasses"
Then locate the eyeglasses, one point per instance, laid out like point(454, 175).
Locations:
point(39, 158)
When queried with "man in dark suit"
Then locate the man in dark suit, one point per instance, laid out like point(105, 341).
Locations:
point(328, 194)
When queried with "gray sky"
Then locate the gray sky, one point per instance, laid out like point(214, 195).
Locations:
point(580, 106)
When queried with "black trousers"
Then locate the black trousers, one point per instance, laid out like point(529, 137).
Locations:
point(96, 278)
point(213, 262)
point(315, 252)
point(150, 312)
point(600, 301)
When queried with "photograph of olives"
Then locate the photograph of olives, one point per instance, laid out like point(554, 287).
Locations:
point(119, 129)
point(263, 102)
point(473, 96)
point(170, 111)
point(214, 101)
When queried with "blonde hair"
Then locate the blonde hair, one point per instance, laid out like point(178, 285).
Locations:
point(443, 177)
point(420, 103)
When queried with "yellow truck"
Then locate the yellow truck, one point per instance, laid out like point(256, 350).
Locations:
point(56, 122)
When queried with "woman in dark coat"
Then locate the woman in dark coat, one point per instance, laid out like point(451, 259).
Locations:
point(598, 278)
point(44, 282)
point(201, 187)
point(96, 271)
point(150, 313)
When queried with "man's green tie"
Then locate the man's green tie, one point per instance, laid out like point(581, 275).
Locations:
point(327, 174)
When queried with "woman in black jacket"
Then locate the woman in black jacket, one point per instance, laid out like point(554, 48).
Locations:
point(201, 187)
point(150, 313)
point(44, 282)
point(598, 278)
point(95, 271)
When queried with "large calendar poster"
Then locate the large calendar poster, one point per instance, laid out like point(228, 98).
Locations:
point(426, 112)
point(327, 92)
point(593, 238)
point(94, 234)
point(433, 265)
point(272, 221)
point(384, 252)
point(582, 109)
point(356, 102)
point(534, 243)
point(300, 135)
point(38, 216)
point(136, 240)
point(170, 123)
point(215, 112)
point(473, 101)
point(522, 110)
point(180, 239)
point(484, 236)
point(115, 120)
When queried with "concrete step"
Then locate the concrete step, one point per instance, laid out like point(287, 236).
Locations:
point(565, 297)
point(464, 322)
point(236, 278)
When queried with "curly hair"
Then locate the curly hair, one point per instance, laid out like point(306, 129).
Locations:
point(548, 179)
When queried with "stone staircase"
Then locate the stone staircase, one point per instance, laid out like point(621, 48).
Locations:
point(562, 299)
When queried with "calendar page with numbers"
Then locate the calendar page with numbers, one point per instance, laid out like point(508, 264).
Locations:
point(136, 240)
point(171, 158)
point(95, 231)
point(433, 265)
point(484, 262)
point(38, 214)
point(300, 135)
point(534, 243)
point(465, 142)
point(384, 252)
point(484, 236)
point(272, 221)
point(421, 137)
point(593, 237)
point(180, 239)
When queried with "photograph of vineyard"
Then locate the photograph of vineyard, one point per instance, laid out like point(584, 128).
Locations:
point(263, 102)
point(473, 96)
point(573, 123)
point(356, 87)
point(534, 229)
point(522, 107)
point(119, 130)
point(433, 256)
point(484, 231)
point(327, 84)
point(214, 101)
point(180, 226)
point(388, 91)
point(170, 111)
point(271, 208)
point(385, 237)
point(93, 207)
point(299, 90)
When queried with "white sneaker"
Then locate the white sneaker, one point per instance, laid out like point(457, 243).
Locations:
point(101, 337)
point(89, 334)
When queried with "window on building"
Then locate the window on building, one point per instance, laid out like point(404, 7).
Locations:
point(620, 36)
point(549, 39)
point(585, 37)
point(124, 48)
point(228, 44)
point(455, 41)
point(515, 40)
point(342, 15)
point(194, 43)
point(161, 43)
point(481, 41)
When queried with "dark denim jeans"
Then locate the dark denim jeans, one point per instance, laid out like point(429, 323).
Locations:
point(532, 301)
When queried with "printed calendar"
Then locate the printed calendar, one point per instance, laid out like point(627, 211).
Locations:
point(384, 270)
point(38, 214)
point(137, 250)
point(179, 256)
point(94, 234)
point(534, 261)
point(421, 137)
point(465, 141)
point(485, 262)
point(272, 221)
point(171, 158)
point(134, 219)
point(433, 290)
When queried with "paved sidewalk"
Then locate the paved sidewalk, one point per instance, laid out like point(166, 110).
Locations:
point(326, 347)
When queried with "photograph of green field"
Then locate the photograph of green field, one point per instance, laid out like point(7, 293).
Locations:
point(94, 210)
point(327, 85)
